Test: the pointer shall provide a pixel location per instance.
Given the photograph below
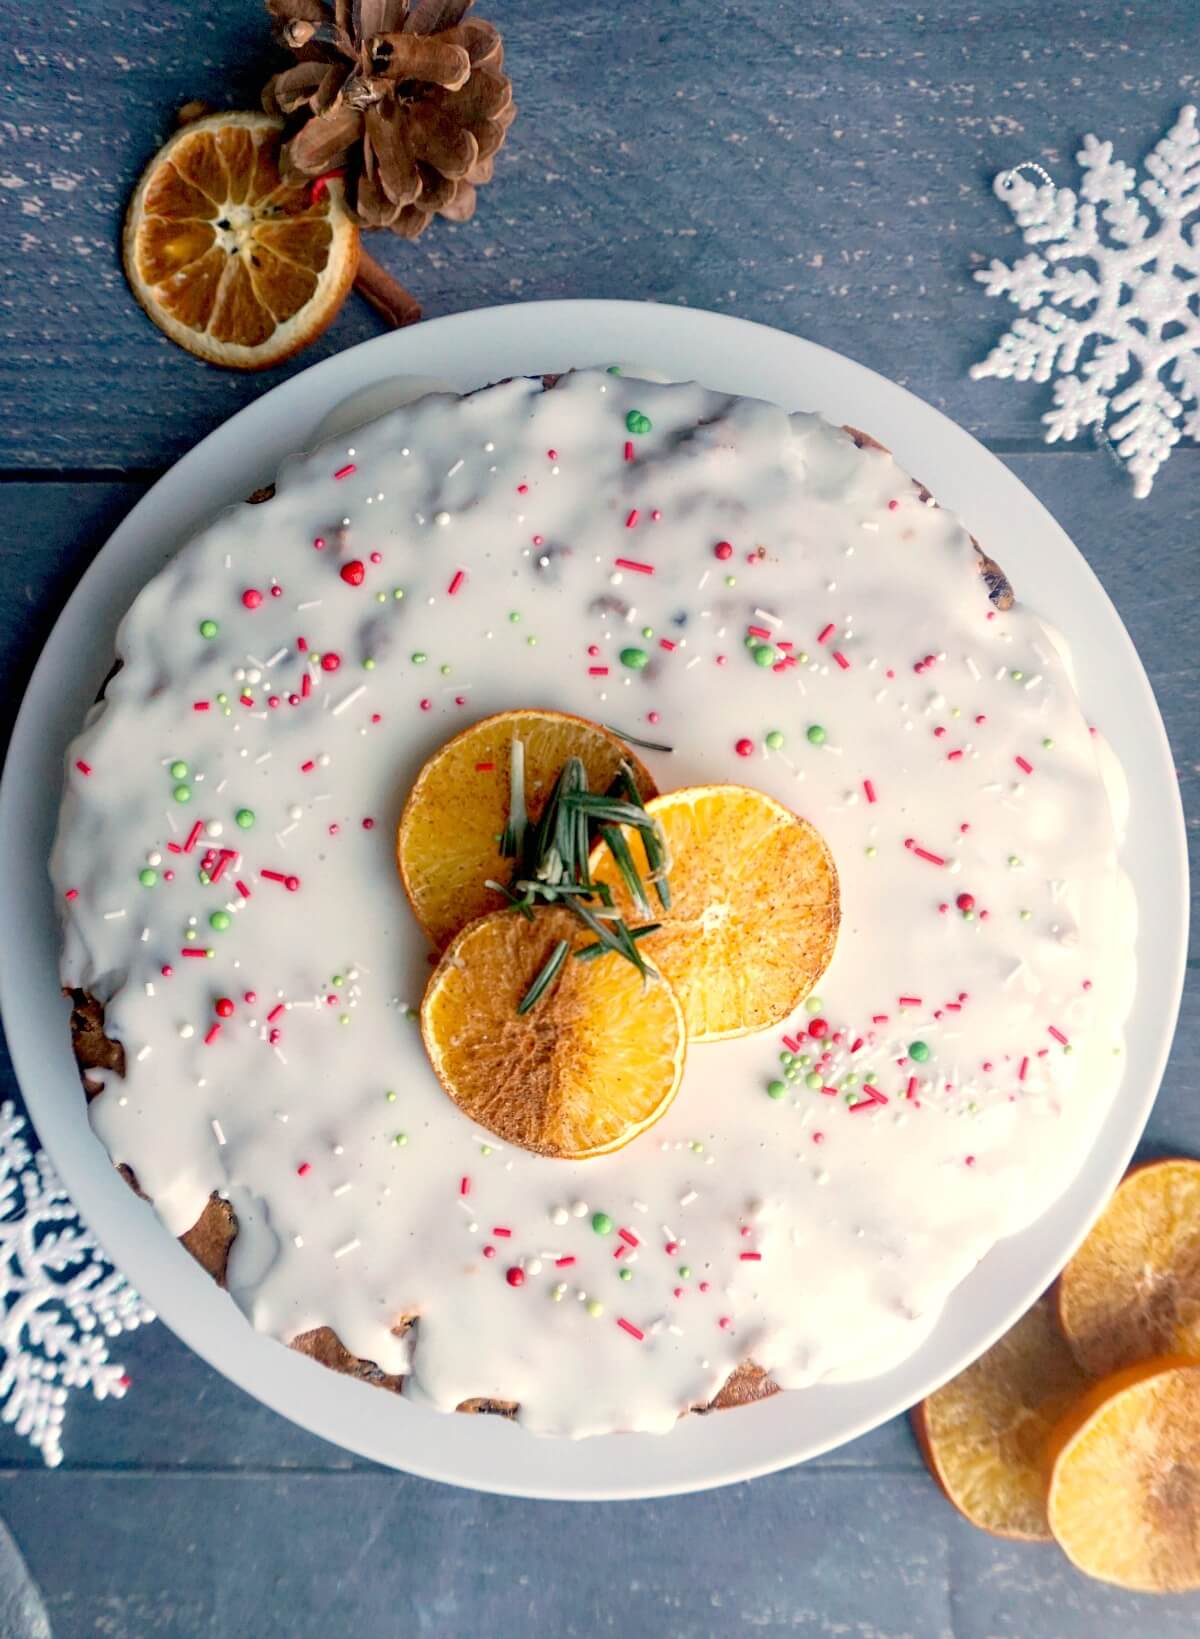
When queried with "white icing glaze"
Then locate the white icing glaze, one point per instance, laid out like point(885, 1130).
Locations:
point(865, 1220)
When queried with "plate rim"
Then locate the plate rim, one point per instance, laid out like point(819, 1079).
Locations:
point(486, 1454)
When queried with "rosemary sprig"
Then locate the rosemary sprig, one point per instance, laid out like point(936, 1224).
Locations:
point(544, 979)
point(632, 740)
point(551, 863)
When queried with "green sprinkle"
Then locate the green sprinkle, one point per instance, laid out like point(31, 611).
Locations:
point(804, 1060)
point(343, 1018)
point(624, 1274)
point(637, 422)
point(1013, 862)
point(515, 616)
point(183, 793)
point(445, 671)
point(337, 981)
point(918, 1051)
point(791, 1073)
point(147, 876)
point(368, 664)
point(731, 580)
point(647, 631)
point(391, 1097)
point(870, 1076)
point(812, 1004)
point(203, 878)
point(400, 1140)
point(381, 597)
point(813, 1080)
point(956, 711)
point(602, 1223)
point(1016, 676)
point(614, 370)
point(245, 818)
point(397, 592)
point(850, 1080)
point(802, 657)
point(209, 628)
point(764, 655)
point(485, 1149)
point(219, 921)
point(190, 935)
point(871, 852)
point(222, 699)
point(968, 916)
point(697, 1148)
point(1025, 915)
point(179, 771)
point(787, 1058)
point(749, 640)
point(531, 642)
point(685, 1271)
point(635, 659)
point(594, 1308)
point(419, 657)
point(1047, 744)
point(816, 734)
point(777, 1089)
point(775, 741)
point(210, 953)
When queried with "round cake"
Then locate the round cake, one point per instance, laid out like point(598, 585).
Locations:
point(744, 598)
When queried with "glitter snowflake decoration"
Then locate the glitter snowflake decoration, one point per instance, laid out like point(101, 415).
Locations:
point(1122, 336)
point(59, 1300)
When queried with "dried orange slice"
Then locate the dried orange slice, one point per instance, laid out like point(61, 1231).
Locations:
point(230, 261)
point(595, 1061)
point(984, 1433)
point(753, 911)
point(447, 844)
point(1133, 1288)
point(1124, 1493)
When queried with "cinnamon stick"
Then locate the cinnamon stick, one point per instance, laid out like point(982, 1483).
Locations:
point(389, 298)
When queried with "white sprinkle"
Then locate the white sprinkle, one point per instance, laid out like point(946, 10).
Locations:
point(693, 662)
point(187, 1031)
point(275, 658)
point(971, 667)
point(874, 528)
point(579, 1209)
point(771, 620)
point(149, 988)
point(1033, 682)
point(113, 916)
point(349, 699)
point(314, 603)
point(298, 1241)
point(143, 1053)
point(559, 1215)
point(350, 1246)
point(144, 935)
point(455, 468)
point(265, 758)
point(640, 1206)
point(686, 1200)
point(343, 1189)
point(441, 519)
point(218, 1131)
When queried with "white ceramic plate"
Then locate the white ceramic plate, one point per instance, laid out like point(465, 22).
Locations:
point(469, 350)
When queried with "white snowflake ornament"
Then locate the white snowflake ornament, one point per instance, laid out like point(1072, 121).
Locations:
point(1123, 335)
point(60, 1301)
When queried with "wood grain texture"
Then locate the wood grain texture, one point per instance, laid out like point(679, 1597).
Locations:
point(823, 169)
point(826, 170)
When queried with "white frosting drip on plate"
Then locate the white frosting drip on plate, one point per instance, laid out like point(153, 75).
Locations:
point(534, 538)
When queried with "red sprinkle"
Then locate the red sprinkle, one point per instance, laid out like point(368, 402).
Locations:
point(354, 572)
point(1024, 1070)
point(1023, 765)
point(251, 598)
point(631, 520)
point(200, 705)
point(464, 1187)
point(84, 768)
point(489, 1251)
point(908, 1001)
point(629, 449)
point(224, 1007)
point(279, 1008)
point(193, 837)
point(759, 631)
point(723, 550)
point(484, 768)
point(506, 1234)
point(597, 671)
point(665, 643)
point(330, 661)
point(744, 748)
point(214, 1032)
point(73, 893)
point(911, 1090)
point(1058, 1035)
point(749, 1257)
point(563, 1263)
point(304, 1169)
point(515, 1276)
point(869, 790)
point(628, 1237)
point(826, 633)
point(818, 1029)
point(193, 953)
point(637, 568)
point(344, 472)
point(457, 579)
point(628, 1326)
point(965, 901)
point(841, 660)
point(242, 889)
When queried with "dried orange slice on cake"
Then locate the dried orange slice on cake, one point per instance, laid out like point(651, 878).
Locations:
point(983, 1434)
point(229, 260)
point(753, 906)
point(592, 1062)
point(447, 846)
point(1133, 1288)
point(1124, 1493)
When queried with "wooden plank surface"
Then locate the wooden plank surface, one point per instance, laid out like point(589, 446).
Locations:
point(823, 169)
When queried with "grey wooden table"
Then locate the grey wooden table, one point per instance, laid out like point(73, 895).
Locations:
point(823, 169)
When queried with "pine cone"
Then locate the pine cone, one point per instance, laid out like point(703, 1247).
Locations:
point(408, 101)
